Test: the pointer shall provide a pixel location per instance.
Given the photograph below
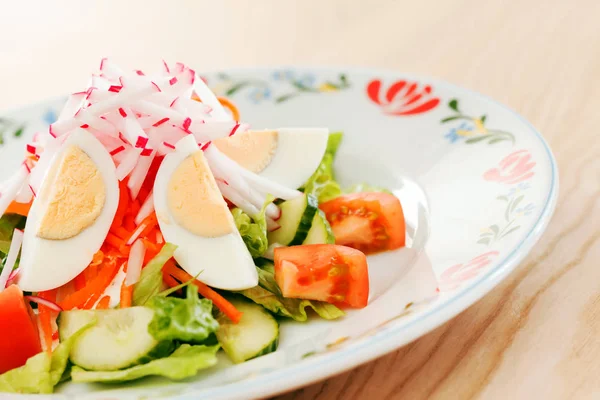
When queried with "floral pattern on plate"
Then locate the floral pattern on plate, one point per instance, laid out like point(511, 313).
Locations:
point(403, 97)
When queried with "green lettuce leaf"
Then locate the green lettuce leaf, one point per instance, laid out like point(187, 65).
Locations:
point(33, 377)
point(253, 230)
point(186, 361)
point(8, 223)
point(268, 295)
point(186, 320)
point(291, 308)
point(150, 282)
point(322, 183)
point(41, 372)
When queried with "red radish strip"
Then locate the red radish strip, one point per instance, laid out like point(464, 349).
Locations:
point(273, 212)
point(160, 122)
point(13, 276)
point(159, 238)
point(166, 67)
point(230, 194)
point(138, 175)
point(50, 304)
point(117, 150)
point(129, 161)
point(212, 129)
point(25, 195)
point(118, 100)
point(272, 225)
point(135, 262)
point(137, 71)
point(11, 258)
point(31, 149)
point(115, 88)
point(12, 187)
point(110, 70)
point(97, 123)
point(209, 98)
point(146, 152)
point(74, 103)
point(235, 128)
point(169, 145)
point(145, 210)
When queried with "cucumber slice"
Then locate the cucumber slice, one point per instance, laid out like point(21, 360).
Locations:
point(296, 219)
point(320, 232)
point(255, 335)
point(119, 339)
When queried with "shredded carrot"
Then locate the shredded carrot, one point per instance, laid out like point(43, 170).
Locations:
point(129, 223)
point(93, 288)
point(18, 208)
point(135, 207)
point(45, 315)
point(80, 280)
point(170, 281)
point(126, 295)
point(103, 303)
point(146, 226)
point(219, 301)
point(143, 194)
point(225, 102)
point(123, 204)
point(114, 240)
point(120, 232)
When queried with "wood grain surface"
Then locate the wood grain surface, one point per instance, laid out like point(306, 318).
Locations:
point(537, 335)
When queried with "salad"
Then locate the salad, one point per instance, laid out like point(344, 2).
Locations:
point(148, 228)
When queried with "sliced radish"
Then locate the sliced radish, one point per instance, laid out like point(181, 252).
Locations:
point(12, 187)
point(272, 225)
point(145, 210)
point(11, 258)
point(25, 195)
point(230, 194)
point(273, 212)
point(135, 262)
point(208, 97)
point(50, 304)
point(74, 103)
point(138, 174)
point(13, 276)
point(270, 253)
point(110, 70)
point(130, 159)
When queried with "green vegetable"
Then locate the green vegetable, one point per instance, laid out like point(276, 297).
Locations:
point(268, 295)
point(322, 183)
point(186, 361)
point(255, 335)
point(253, 230)
point(151, 279)
point(41, 372)
point(121, 334)
point(186, 320)
point(296, 219)
point(291, 308)
point(8, 223)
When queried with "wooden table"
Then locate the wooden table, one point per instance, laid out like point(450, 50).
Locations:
point(537, 335)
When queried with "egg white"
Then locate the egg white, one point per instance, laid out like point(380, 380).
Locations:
point(222, 262)
point(47, 264)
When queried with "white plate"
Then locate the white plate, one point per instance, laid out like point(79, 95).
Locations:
point(478, 184)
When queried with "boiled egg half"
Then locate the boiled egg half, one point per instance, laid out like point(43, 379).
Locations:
point(193, 215)
point(288, 156)
point(71, 215)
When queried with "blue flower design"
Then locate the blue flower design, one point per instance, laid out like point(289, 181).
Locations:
point(283, 75)
point(307, 80)
point(519, 188)
point(527, 210)
point(50, 117)
point(260, 93)
point(453, 135)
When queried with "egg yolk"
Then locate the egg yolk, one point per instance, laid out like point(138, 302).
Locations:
point(252, 150)
point(195, 201)
point(73, 197)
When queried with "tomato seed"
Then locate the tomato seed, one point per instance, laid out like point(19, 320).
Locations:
point(372, 216)
point(343, 210)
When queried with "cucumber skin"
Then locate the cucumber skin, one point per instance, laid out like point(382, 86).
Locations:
point(301, 231)
point(320, 222)
point(312, 205)
point(240, 303)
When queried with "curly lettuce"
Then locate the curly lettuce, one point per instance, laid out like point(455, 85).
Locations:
point(186, 320)
point(151, 280)
point(253, 229)
point(184, 362)
point(322, 183)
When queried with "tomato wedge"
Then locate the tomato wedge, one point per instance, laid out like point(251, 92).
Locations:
point(326, 272)
point(19, 337)
point(370, 222)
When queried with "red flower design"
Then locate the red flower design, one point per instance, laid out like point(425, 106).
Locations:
point(454, 276)
point(403, 97)
point(514, 168)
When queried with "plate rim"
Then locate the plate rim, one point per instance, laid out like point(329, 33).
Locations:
point(325, 366)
